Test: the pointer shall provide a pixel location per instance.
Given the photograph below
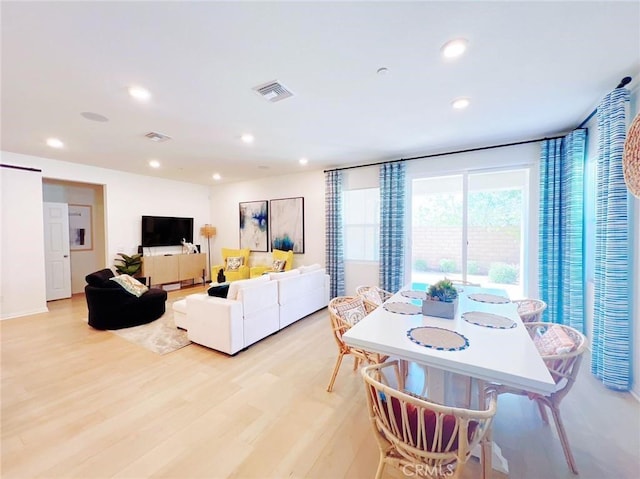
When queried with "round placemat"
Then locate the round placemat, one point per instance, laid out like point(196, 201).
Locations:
point(488, 320)
point(402, 308)
point(414, 294)
point(438, 338)
point(489, 298)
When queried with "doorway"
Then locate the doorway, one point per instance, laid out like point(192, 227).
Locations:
point(471, 226)
point(91, 255)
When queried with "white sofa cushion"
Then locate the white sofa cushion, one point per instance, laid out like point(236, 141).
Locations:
point(236, 286)
point(292, 288)
point(311, 267)
point(179, 308)
point(258, 297)
point(284, 274)
point(215, 322)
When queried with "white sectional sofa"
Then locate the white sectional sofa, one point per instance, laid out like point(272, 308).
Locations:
point(253, 309)
point(301, 291)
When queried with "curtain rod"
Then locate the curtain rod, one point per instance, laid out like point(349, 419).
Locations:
point(624, 82)
point(433, 155)
point(23, 168)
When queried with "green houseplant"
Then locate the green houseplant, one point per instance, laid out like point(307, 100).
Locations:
point(130, 265)
point(441, 300)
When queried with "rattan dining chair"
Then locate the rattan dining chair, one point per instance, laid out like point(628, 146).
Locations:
point(344, 312)
point(372, 296)
point(416, 435)
point(563, 361)
point(530, 310)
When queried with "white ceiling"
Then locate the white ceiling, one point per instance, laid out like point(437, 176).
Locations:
point(532, 69)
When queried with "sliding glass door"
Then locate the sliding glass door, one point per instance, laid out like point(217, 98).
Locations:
point(470, 226)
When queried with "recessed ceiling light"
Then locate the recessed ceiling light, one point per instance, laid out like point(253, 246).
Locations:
point(454, 48)
point(154, 163)
point(460, 103)
point(139, 93)
point(54, 143)
point(247, 138)
point(216, 176)
point(303, 161)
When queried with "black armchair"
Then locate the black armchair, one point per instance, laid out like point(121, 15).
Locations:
point(112, 307)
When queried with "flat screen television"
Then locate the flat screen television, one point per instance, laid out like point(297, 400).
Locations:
point(166, 230)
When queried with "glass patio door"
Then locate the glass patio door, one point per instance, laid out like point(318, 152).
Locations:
point(470, 226)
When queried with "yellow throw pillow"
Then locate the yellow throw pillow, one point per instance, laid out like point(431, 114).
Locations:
point(130, 284)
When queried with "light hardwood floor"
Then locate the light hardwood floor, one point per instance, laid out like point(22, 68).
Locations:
point(81, 403)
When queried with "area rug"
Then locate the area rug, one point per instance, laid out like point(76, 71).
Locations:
point(160, 336)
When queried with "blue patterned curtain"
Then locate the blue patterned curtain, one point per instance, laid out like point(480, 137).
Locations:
point(561, 273)
point(333, 235)
point(392, 212)
point(611, 345)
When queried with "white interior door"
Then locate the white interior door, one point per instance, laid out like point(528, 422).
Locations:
point(56, 250)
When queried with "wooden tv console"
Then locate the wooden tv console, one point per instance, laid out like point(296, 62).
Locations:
point(174, 268)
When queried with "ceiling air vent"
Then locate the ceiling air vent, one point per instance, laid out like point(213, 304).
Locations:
point(273, 91)
point(157, 137)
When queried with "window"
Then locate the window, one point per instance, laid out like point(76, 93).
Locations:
point(361, 213)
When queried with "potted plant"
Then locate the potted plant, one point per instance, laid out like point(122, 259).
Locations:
point(130, 265)
point(441, 300)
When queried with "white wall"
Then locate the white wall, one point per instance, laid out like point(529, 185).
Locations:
point(225, 216)
point(22, 270)
point(127, 198)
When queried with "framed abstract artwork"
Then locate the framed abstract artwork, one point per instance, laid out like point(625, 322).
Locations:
point(80, 231)
point(254, 225)
point(286, 219)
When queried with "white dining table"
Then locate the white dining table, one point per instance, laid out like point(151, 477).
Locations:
point(504, 356)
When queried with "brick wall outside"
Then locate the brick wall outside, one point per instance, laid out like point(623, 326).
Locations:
point(486, 246)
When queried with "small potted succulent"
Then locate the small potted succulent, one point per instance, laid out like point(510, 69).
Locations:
point(441, 300)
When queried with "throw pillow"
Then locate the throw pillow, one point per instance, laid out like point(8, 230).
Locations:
point(372, 295)
point(445, 424)
point(130, 284)
point(351, 311)
point(234, 263)
point(278, 264)
point(219, 291)
point(554, 341)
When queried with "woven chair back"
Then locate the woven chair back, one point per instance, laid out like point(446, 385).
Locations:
point(411, 430)
point(530, 310)
point(563, 367)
